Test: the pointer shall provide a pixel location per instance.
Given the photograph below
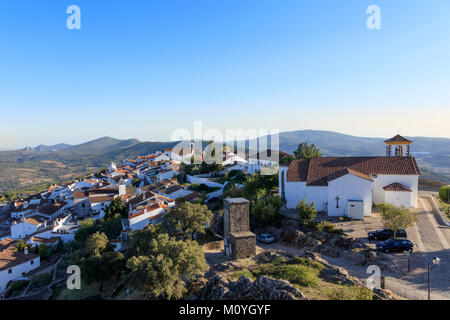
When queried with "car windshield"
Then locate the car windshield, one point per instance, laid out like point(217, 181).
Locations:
point(390, 241)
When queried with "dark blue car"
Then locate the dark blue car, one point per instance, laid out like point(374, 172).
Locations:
point(384, 234)
point(395, 245)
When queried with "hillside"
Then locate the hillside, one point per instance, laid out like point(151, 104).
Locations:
point(30, 166)
point(432, 154)
point(45, 164)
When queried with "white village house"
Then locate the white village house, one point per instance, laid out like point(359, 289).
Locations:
point(13, 263)
point(348, 186)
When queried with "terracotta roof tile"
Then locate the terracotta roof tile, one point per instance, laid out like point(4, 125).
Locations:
point(396, 187)
point(10, 256)
point(317, 171)
point(399, 139)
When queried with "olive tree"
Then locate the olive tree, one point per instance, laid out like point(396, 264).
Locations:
point(397, 218)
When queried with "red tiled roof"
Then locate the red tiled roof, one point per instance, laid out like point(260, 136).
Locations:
point(341, 173)
point(399, 139)
point(99, 199)
point(149, 209)
point(396, 187)
point(297, 170)
point(52, 208)
point(10, 256)
point(110, 190)
point(317, 171)
point(80, 194)
point(45, 240)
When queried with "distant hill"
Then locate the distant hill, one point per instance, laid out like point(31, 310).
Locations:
point(56, 147)
point(432, 154)
point(45, 164)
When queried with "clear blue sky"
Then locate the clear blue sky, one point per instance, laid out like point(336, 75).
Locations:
point(140, 69)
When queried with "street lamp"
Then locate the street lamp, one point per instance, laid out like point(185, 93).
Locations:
point(435, 261)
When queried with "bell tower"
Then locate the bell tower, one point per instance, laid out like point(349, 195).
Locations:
point(398, 147)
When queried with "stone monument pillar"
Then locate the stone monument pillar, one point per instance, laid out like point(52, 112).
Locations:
point(239, 241)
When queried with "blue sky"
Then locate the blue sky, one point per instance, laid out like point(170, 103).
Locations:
point(141, 69)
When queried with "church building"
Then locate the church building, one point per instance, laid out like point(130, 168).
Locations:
point(349, 186)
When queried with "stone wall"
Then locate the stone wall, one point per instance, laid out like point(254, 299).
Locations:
point(236, 215)
point(243, 245)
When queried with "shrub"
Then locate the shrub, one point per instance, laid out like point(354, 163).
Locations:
point(354, 292)
point(294, 273)
point(328, 228)
point(246, 273)
point(40, 280)
point(16, 286)
point(306, 212)
point(444, 193)
point(307, 262)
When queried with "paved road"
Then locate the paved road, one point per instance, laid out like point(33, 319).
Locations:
point(431, 238)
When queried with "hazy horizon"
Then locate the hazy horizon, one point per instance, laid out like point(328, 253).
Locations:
point(168, 140)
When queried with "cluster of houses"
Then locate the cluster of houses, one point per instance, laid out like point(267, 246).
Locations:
point(148, 185)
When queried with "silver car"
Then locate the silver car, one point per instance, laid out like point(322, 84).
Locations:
point(266, 238)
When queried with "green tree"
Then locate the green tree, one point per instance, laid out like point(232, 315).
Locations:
point(253, 188)
point(96, 244)
point(112, 227)
point(21, 245)
point(266, 209)
point(306, 212)
point(59, 246)
point(183, 221)
point(44, 251)
point(397, 218)
point(444, 193)
point(136, 182)
point(306, 151)
point(85, 229)
point(142, 240)
point(116, 207)
point(163, 271)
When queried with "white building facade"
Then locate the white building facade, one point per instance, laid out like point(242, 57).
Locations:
point(349, 186)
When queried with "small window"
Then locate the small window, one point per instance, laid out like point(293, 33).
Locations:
point(10, 271)
point(32, 262)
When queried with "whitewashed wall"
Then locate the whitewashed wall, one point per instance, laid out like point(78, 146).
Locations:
point(398, 198)
point(22, 229)
point(209, 183)
point(349, 187)
point(409, 181)
point(17, 272)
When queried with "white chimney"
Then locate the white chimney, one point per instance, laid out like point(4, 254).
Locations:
point(25, 251)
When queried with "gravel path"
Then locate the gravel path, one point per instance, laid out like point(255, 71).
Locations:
point(430, 237)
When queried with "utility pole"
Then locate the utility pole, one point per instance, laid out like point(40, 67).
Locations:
point(409, 261)
point(429, 281)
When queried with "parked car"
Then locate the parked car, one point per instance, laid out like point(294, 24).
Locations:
point(266, 238)
point(384, 234)
point(395, 245)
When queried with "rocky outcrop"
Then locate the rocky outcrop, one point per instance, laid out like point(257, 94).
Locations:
point(263, 288)
point(330, 244)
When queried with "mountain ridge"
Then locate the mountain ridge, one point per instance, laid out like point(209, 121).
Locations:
point(43, 163)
